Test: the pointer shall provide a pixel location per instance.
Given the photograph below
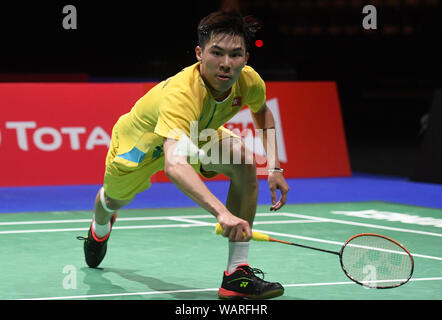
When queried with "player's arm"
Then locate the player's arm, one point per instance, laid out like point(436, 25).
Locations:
point(264, 120)
point(186, 179)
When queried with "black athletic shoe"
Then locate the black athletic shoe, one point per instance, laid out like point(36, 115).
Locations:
point(94, 247)
point(244, 284)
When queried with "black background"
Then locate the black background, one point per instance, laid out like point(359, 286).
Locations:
point(386, 77)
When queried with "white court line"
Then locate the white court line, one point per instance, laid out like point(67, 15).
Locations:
point(188, 219)
point(145, 293)
point(201, 216)
point(185, 225)
point(284, 222)
point(191, 221)
point(195, 223)
point(295, 215)
point(331, 242)
point(13, 223)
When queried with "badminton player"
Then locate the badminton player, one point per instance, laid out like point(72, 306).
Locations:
point(200, 97)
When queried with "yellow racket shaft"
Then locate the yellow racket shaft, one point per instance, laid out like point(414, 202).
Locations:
point(257, 236)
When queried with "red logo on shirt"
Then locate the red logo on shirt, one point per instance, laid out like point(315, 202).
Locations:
point(236, 102)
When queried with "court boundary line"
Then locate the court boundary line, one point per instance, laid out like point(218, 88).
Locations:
point(354, 223)
point(196, 223)
point(188, 224)
point(333, 242)
point(146, 293)
point(202, 216)
point(293, 215)
point(307, 238)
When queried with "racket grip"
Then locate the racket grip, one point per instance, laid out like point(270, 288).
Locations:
point(256, 236)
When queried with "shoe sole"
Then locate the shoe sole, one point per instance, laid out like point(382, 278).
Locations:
point(233, 295)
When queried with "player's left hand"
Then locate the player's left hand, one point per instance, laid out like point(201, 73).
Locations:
point(276, 181)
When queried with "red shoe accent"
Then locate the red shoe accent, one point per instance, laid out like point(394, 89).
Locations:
point(223, 293)
point(240, 265)
point(96, 238)
point(114, 218)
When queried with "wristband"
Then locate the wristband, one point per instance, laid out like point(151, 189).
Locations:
point(276, 170)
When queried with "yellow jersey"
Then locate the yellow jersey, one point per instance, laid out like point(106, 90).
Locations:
point(177, 103)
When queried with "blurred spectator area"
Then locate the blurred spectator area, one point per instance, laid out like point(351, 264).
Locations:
point(386, 77)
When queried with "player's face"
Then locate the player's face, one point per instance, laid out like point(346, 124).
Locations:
point(222, 60)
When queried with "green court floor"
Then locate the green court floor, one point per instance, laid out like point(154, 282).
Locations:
point(169, 254)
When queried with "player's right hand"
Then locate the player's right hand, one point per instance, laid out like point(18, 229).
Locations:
point(236, 229)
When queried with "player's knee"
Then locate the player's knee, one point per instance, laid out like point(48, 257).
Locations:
point(241, 154)
point(110, 204)
point(243, 162)
point(245, 174)
point(114, 205)
point(238, 163)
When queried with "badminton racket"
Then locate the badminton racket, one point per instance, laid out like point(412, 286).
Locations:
point(370, 260)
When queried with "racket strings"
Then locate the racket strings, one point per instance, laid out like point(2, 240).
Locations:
point(376, 262)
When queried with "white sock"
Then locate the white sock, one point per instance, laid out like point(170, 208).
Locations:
point(238, 254)
point(101, 230)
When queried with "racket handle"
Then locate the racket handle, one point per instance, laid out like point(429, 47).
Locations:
point(257, 236)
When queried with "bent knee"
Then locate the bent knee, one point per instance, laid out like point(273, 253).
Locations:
point(115, 204)
point(236, 161)
point(245, 174)
point(240, 154)
point(250, 175)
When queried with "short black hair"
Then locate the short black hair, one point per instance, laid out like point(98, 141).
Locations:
point(227, 22)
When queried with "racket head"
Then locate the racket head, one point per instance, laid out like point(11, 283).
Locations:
point(376, 261)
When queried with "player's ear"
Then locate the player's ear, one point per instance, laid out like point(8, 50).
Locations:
point(247, 57)
point(198, 53)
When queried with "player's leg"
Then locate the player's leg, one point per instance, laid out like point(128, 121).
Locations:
point(239, 280)
point(121, 184)
point(105, 215)
point(237, 163)
point(104, 210)
point(239, 166)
